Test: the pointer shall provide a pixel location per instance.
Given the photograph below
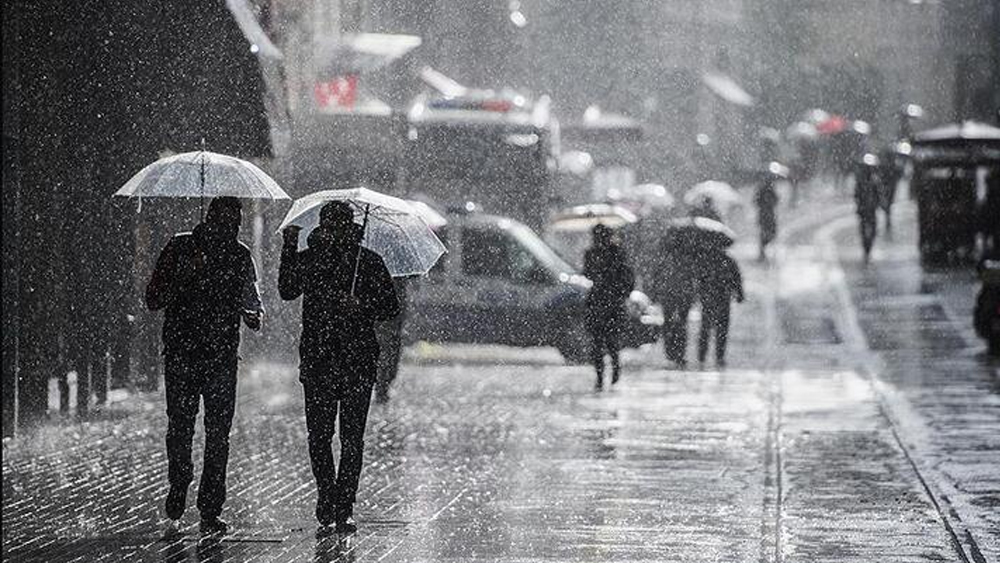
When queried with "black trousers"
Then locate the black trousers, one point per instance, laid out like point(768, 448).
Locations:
point(675, 328)
point(188, 383)
point(714, 320)
point(336, 490)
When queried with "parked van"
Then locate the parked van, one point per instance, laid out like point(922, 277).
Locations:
point(500, 283)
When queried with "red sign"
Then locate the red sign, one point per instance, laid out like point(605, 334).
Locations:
point(338, 92)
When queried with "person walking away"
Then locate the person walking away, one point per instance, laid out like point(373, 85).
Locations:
point(206, 282)
point(719, 282)
point(866, 200)
point(766, 200)
point(390, 337)
point(605, 265)
point(890, 172)
point(345, 290)
point(675, 289)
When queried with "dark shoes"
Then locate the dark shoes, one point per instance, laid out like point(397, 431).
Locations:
point(176, 499)
point(213, 527)
point(346, 526)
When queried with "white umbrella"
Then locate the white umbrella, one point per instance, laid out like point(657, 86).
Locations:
point(394, 228)
point(719, 192)
point(202, 174)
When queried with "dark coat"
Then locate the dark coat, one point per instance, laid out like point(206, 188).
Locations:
point(766, 200)
point(205, 281)
point(613, 281)
point(719, 281)
point(675, 280)
point(335, 339)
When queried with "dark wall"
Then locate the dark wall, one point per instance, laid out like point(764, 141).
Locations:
point(102, 89)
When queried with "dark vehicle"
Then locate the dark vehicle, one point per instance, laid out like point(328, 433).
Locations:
point(945, 164)
point(497, 149)
point(501, 284)
point(987, 313)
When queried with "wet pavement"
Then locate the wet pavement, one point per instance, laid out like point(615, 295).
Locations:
point(856, 422)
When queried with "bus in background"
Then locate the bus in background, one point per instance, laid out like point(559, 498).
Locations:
point(496, 149)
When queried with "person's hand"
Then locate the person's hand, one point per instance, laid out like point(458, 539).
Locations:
point(253, 319)
point(291, 234)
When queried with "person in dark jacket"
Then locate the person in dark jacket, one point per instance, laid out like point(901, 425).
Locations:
point(206, 282)
point(675, 289)
point(766, 200)
point(719, 281)
point(345, 290)
point(866, 199)
point(605, 265)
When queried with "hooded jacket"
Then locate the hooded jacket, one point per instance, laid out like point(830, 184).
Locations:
point(204, 280)
point(332, 336)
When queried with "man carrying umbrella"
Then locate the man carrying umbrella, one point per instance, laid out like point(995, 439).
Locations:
point(346, 289)
point(207, 282)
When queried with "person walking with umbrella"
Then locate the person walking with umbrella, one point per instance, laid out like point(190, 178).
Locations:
point(766, 200)
point(719, 282)
point(605, 265)
point(206, 282)
point(345, 289)
point(866, 199)
point(675, 289)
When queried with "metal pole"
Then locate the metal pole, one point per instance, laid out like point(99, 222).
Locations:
point(357, 257)
point(202, 178)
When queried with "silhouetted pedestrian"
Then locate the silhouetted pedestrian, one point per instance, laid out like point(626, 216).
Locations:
point(338, 348)
point(674, 287)
point(605, 265)
point(890, 172)
point(766, 200)
point(206, 281)
point(390, 336)
point(719, 282)
point(866, 199)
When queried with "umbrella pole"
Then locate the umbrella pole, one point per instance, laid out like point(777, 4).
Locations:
point(357, 257)
point(201, 177)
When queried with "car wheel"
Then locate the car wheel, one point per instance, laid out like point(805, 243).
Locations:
point(573, 341)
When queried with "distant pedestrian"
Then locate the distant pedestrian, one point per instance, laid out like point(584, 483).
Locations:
point(890, 172)
point(866, 199)
point(719, 282)
point(766, 200)
point(674, 287)
point(206, 282)
point(390, 337)
point(605, 265)
point(338, 349)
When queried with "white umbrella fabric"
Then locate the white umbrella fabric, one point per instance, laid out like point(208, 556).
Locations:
point(202, 174)
point(394, 228)
point(719, 192)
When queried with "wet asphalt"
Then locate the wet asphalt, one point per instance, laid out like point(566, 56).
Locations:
point(857, 421)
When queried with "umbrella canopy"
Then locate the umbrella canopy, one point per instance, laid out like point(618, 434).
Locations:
point(727, 89)
point(699, 232)
point(202, 174)
point(719, 192)
point(801, 130)
point(832, 125)
point(394, 228)
point(586, 217)
point(654, 196)
point(431, 216)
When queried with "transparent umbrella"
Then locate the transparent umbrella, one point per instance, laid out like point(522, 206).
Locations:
point(201, 175)
point(393, 228)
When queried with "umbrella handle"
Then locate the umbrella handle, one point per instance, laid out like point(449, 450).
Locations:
point(357, 257)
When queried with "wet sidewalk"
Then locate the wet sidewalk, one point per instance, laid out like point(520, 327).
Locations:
point(492, 454)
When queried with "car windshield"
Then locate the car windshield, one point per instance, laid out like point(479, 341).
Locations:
point(540, 250)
